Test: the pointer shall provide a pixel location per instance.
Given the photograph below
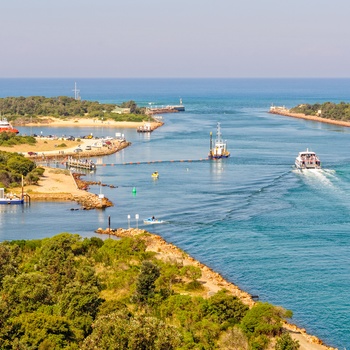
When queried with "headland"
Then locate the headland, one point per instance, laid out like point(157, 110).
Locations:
point(211, 280)
point(281, 110)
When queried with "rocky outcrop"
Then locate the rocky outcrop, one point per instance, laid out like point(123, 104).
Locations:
point(93, 201)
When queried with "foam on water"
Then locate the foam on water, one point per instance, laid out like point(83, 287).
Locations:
point(315, 177)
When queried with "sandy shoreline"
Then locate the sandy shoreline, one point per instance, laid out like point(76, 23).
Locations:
point(86, 122)
point(285, 112)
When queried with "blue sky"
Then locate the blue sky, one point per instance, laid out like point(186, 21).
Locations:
point(168, 38)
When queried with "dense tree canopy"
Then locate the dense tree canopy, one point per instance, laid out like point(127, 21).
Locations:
point(13, 166)
point(66, 292)
point(340, 111)
point(28, 108)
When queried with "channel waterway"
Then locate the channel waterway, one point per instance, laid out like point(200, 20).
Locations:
point(275, 232)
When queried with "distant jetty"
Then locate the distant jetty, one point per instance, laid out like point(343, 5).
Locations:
point(80, 163)
point(166, 109)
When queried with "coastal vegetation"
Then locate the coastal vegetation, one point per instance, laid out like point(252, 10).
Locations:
point(9, 139)
point(329, 110)
point(14, 166)
point(22, 110)
point(67, 292)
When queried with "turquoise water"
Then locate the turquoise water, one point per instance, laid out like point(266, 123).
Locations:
point(274, 232)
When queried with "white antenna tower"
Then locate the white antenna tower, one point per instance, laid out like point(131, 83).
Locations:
point(76, 92)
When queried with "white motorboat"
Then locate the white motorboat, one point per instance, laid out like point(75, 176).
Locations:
point(307, 160)
point(152, 221)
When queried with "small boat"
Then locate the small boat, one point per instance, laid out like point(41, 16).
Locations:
point(145, 128)
point(307, 160)
point(7, 200)
point(5, 126)
point(152, 221)
point(155, 175)
point(179, 108)
point(220, 147)
point(10, 199)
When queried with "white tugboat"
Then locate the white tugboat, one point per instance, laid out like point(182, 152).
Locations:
point(307, 160)
point(220, 147)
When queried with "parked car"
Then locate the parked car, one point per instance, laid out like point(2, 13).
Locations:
point(78, 149)
point(32, 153)
point(88, 148)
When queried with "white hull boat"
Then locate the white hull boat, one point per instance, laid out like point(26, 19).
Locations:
point(151, 221)
point(307, 160)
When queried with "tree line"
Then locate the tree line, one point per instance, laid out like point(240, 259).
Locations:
point(67, 292)
point(329, 110)
point(28, 108)
point(14, 166)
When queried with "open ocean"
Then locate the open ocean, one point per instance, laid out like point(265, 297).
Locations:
point(274, 232)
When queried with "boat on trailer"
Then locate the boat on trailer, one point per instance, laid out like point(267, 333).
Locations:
point(219, 150)
point(307, 160)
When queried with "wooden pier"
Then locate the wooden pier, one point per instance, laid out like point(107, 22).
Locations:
point(80, 163)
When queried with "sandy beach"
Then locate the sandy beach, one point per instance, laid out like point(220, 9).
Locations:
point(52, 121)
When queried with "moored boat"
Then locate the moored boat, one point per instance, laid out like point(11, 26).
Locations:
point(180, 107)
point(9, 199)
point(5, 126)
point(146, 127)
point(307, 160)
point(220, 146)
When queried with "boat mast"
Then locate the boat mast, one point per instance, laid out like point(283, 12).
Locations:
point(211, 145)
point(218, 133)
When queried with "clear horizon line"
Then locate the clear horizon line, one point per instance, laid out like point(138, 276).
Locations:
point(170, 77)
